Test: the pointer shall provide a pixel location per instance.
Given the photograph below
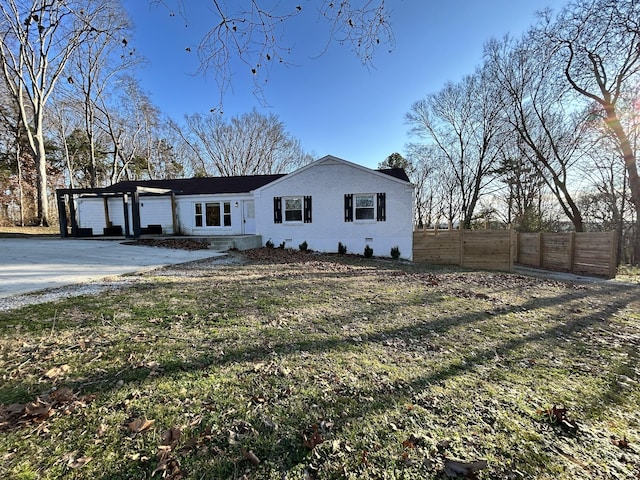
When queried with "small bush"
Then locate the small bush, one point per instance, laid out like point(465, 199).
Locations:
point(395, 252)
point(342, 249)
point(303, 246)
point(282, 245)
point(269, 244)
point(368, 251)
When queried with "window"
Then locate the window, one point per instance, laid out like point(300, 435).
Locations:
point(198, 214)
point(296, 209)
point(293, 209)
point(365, 206)
point(213, 214)
point(227, 214)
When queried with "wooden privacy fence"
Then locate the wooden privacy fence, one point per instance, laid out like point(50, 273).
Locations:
point(485, 249)
point(587, 253)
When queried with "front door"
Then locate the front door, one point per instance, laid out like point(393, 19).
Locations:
point(248, 217)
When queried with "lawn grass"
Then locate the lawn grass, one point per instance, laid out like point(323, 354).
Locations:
point(307, 366)
point(13, 232)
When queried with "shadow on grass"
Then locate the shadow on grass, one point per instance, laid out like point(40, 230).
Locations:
point(613, 299)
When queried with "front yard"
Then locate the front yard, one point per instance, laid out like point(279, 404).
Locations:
point(302, 366)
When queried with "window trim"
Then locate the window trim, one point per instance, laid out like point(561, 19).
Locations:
point(379, 207)
point(300, 198)
point(200, 214)
point(372, 208)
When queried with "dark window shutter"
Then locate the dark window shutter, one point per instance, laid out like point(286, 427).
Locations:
point(348, 207)
point(382, 207)
point(277, 209)
point(307, 209)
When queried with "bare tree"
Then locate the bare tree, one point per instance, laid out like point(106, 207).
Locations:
point(597, 43)
point(420, 173)
point(248, 144)
point(38, 38)
point(524, 187)
point(252, 33)
point(129, 121)
point(548, 130)
point(101, 57)
point(463, 122)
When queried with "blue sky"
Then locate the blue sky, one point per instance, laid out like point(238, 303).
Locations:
point(328, 100)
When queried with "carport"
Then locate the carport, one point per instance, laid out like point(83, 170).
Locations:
point(132, 228)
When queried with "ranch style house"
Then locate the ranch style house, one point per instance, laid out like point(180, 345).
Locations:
point(323, 203)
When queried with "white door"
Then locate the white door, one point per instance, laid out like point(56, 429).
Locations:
point(248, 217)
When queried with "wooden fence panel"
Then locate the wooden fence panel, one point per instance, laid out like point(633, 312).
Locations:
point(485, 249)
point(555, 251)
point(441, 248)
point(528, 249)
point(595, 254)
point(587, 253)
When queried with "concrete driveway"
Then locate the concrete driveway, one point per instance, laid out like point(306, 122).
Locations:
point(28, 265)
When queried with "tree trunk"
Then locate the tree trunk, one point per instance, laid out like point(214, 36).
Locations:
point(632, 172)
point(41, 179)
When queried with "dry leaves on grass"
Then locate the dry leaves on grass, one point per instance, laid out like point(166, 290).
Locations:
point(558, 416)
point(139, 425)
point(62, 400)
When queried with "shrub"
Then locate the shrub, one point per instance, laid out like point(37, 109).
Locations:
point(269, 244)
point(368, 251)
point(342, 249)
point(303, 246)
point(395, 252)
point(282, 245)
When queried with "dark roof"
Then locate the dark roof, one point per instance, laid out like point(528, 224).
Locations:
point(398, 173)
point(213, 185)
point(200, 185)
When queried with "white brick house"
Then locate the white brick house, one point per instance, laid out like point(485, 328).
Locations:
point(325, 202)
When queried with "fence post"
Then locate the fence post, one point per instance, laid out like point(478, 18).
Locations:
point(613, 255)
point(540, 253)
point(461, 237)
point(572, 250)
point(513, 243)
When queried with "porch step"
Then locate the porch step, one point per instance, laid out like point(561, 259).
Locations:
point(240, 242)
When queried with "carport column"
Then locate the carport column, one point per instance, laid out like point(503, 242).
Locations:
point(135, 213)
point(174, 214)
point(126, 215)
point(62, 214)
point(107, 221)
point(72, 214)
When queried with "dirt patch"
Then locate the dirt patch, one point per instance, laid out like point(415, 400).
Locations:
point(175, 243)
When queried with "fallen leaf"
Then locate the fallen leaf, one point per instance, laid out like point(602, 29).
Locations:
point(57, 371)
point(78, 462)
point(311, 437)
point(171, 437)
point(251, 457)
point(406, 459)
point(63, 395)
point(622, 443)
point(453, 468)
point(102, 429)
point(140, 425)
point(38, 408)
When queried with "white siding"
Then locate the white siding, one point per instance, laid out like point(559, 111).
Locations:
point(90, 213)
point(186, 214)
point(156, 211)
point(327, 181)
point(116, 212)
